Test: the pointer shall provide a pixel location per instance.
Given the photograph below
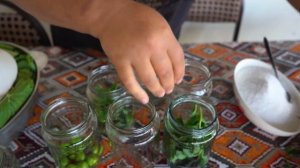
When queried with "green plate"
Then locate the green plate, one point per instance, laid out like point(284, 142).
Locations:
point(14, 105)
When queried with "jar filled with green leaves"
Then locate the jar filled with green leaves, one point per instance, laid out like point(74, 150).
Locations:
point(191, 125)
point(133, 129)
point(69, 126)
point(104, 88)
point(197, 80)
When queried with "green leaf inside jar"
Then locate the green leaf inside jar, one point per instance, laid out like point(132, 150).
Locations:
point(103, 100)
point(191, 155)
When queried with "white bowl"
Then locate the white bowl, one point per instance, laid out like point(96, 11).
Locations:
point(267, 111)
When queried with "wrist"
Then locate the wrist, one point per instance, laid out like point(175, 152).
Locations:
point(97, 14)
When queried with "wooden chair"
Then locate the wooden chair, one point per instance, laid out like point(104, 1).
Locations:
point(20, 27)
point(218, 11)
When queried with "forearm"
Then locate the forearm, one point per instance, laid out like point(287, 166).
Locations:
point(79, 15)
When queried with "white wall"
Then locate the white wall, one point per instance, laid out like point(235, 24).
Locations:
point(276, 19)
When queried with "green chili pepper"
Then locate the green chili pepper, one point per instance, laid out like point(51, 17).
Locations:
point(92, 160)
point(80, 156)
point(83, 165)
point(64, 161)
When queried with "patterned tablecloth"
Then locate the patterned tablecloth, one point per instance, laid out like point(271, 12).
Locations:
point(238, 144)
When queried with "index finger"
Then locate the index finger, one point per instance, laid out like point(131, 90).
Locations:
point(176, 56)
point(127, 76)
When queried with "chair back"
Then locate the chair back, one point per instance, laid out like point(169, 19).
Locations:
point(21, 28)
point(216, 10)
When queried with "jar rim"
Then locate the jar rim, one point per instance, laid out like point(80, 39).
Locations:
point(119, 104)
point(58, 102)
point(102, 70)
point(193, 99)
point(202, 67)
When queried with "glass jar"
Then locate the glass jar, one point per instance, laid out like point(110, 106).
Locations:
point(191, 125)
point(7, 158)
point(133, 129)
point(197, 80)
point(68, 127)
point(104, 88)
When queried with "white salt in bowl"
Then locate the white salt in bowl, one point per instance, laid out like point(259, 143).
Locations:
point(262, 97)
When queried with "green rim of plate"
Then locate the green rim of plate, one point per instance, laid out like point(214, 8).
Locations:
point(24, 85)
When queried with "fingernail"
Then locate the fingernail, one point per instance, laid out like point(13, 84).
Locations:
point(170, 91)
point(145, 100)
point(161, 94)
point(179, 81)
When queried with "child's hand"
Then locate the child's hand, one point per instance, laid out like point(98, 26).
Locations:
point(141, 45)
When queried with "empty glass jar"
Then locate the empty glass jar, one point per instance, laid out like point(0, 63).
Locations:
point(104, 87)
point(197, 80)
point(69, 126)
point(133, 129)
point(191, 125)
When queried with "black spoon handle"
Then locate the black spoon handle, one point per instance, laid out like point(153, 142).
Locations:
point(270, 56)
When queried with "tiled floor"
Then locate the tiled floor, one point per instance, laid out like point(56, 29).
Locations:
point(276, 19)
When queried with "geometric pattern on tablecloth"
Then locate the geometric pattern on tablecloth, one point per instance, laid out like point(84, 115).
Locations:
point(94, 53)
point(125, 160)
point(284, 68)
point(25, 146)
point(216, 68)
point(37, 114)
point(295, 76)
point(258, 49)
point(77, 59)
point(232, 45)
point(192, 57)
point(215, 161)
point(81, 90)
point(293, 146)
point(93, 65)
point(235, 57)
point(295, 48)
point(43, 160)
point(289, 58)
point(283, 45)
point(45, 85)
point(239, 147)
point(51, 99)
point(52, 67)
point(230, 115)
point(30, 148)
point(55, 51)
point(208, 51)
point(222, 89)
point(71, 78)
point(278, 159)
point(263, 135)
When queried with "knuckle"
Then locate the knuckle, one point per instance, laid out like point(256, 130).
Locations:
point(151, 82)
point(166, 75)
point(129, 84)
